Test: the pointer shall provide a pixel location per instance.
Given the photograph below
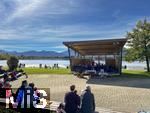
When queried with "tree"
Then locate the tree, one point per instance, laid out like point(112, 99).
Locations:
point(12, 63)
point(139, 43)
point(4, 56)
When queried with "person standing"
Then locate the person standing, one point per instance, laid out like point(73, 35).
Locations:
point(87, 101)
point(72, 101)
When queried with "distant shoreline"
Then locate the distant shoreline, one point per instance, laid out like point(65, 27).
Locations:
point(41, 58)
point(65, 62)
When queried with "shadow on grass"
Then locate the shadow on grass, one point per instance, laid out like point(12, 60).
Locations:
point(125, 80)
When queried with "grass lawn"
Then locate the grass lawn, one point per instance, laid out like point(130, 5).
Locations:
point(136, 73)
point(127, 73)
point(46, 71)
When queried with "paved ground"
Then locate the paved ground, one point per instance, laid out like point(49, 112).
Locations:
point(126, 95)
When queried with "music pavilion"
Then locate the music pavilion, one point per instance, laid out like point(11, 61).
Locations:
point(107, 52)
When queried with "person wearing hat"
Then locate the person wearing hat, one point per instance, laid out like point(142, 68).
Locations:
point(87, 101)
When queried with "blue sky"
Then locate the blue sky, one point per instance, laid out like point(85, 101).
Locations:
point(45, 24)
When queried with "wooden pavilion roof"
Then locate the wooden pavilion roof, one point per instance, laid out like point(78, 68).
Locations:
point(97, 47)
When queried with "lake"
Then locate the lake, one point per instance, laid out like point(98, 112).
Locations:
point(63, 63)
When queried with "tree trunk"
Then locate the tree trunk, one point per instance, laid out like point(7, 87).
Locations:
point(146, 57)
point(147, 62)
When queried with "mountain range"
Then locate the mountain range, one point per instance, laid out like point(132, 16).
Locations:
point(42, 53)
point(36, 53)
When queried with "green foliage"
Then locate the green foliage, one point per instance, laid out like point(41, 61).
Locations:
point(12, 63)
point(139, 43)
point(136, 73)
point(40, 57)
point(4, 56)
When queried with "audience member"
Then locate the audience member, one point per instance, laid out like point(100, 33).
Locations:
point(7, 87)
point(36, 95)
point(87, 101)
point(71, 101)
point(61, 108)
point(20, 94)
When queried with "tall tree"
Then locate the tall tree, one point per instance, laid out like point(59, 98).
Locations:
point(139, 43)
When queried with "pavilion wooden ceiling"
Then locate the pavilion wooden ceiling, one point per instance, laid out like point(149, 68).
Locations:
point(97, 47)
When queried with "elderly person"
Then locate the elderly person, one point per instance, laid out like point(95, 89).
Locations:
point(87, 101)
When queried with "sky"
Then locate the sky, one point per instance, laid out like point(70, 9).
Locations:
point(44, 24)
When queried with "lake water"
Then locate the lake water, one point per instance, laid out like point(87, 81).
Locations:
point(63, 63)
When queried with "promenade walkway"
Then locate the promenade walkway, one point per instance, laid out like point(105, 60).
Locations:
point(126, 95)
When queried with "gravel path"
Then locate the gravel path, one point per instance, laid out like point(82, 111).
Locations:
point(126, 95)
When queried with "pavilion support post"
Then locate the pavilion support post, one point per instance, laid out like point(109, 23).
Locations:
point(78, 55)
point(70, 58)
point(92, 57)
point(120, 65)
point(105, 59)
point(98, 59)
point(75, 53)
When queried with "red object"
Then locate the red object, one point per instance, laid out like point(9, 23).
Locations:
point(8, 93)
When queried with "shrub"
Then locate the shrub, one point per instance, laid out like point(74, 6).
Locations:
point(12, 63)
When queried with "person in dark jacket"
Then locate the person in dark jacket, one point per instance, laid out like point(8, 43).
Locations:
point(72, 101)
point(87, 101)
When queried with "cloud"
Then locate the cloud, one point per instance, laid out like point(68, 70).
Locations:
point(25, 8)
point(37, 8)
point(45, 24)
point(60, 33)
point(81, 30)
